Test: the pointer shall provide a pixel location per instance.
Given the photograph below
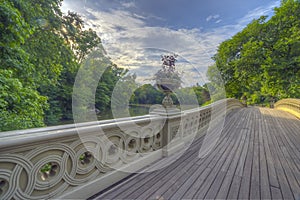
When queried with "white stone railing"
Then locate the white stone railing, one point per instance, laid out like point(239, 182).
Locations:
point(290, 105)
point(57, 162)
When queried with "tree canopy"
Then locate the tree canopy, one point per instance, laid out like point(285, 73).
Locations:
point(263, 60)
point(41, 50)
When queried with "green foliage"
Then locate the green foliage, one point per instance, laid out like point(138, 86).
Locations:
point(46, 168)
point(40, 54)
point(202, 94)
point(21, 107)
point(101, 75)
point(148, 94)
point(263, 60)
point(81, 41)
point(96, 81)
point(123, 91)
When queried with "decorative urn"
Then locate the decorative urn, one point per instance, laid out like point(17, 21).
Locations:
point(168, 79)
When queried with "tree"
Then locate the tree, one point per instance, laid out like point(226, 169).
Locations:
point(40, 51)
point(81, 41)
point(262, 61)
point(147, 94)
point(21, 106)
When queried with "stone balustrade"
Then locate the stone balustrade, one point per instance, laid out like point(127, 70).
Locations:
point(290, 105)
point(79, 160)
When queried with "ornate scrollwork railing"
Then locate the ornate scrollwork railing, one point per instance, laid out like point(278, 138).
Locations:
point(55, 162)
point(290, 105)
point(43, 163)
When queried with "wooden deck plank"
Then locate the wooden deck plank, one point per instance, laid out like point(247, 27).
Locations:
point(273, 181)
point(255, 175)
point(292, 125)
point(212, 184)
point(242, 160)
point(289, 147)
point(288, 136)
point(234, 188)
point(283, 183)
point(246, 177)
point(238, 175)
point(158, 186)
point(280, 148)
point(230, 171)
point(203, 177)
point(178, 180)
point(276, 193)
point(145, 184)
point(221, 156)
point(211, 158)
point(207, 163)
point(257, 156)
point(142, 179)
point(291, 159)
point(142, 186)
point(264, 174)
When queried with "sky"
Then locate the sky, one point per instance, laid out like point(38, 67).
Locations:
point(135, 33)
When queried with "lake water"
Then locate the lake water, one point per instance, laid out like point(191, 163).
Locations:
point(134, 110)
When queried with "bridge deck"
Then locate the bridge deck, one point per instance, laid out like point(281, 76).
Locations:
point(257, 156)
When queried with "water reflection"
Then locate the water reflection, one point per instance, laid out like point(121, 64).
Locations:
point(134, 110)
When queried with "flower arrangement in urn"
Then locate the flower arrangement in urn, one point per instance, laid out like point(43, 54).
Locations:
point(168, 79)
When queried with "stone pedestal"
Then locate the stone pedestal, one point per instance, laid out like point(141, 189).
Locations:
point(172, 130)
point(168, 111)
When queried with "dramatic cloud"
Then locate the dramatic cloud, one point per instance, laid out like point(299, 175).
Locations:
point(131, 43)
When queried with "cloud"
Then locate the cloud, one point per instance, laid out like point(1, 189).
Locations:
point(218, 21)
point(132, 44)
point(260, 11)
point(212, 17)
point(128, 4)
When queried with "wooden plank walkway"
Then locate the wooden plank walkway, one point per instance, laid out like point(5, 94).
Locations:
point(257, 157)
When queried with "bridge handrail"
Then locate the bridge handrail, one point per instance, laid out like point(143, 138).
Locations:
point(290, 105)
point(54, 162)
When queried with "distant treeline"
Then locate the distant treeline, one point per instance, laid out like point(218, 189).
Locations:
point(148, 94)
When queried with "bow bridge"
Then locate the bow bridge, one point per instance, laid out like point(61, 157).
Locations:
point(223, 150)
